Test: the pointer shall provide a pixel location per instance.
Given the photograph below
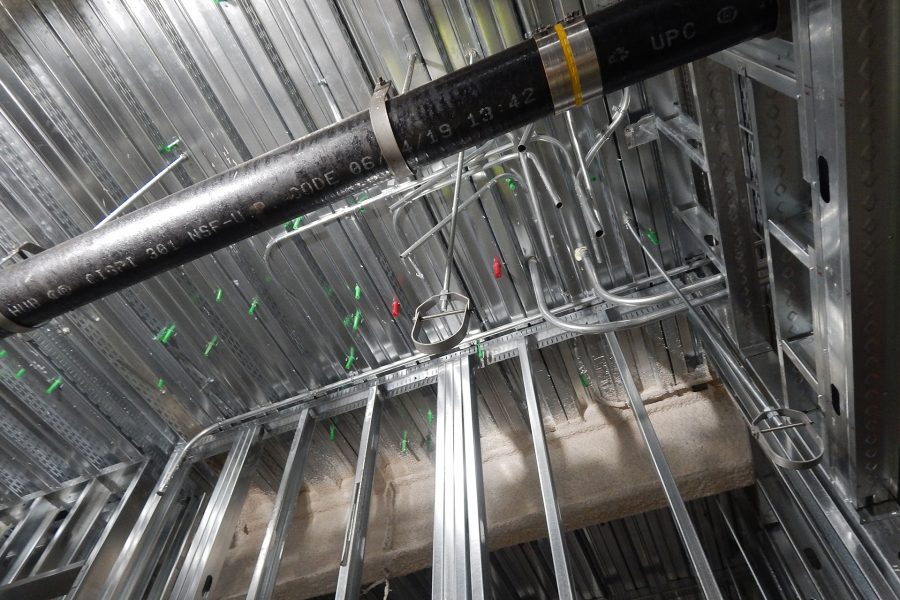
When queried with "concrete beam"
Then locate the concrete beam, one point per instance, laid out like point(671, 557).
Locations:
point(602, 472)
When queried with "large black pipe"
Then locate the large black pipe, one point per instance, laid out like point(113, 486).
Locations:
point(634, 40)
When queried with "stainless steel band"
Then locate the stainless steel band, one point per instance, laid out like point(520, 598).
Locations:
point(570, 63)
point(384, 133)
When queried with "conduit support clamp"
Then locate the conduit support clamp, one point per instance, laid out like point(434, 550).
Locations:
point(570, 63)
point(422, 316)
point(795, 419)
point(384, 133)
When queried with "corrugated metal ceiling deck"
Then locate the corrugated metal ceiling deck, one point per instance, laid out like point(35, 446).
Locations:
point(92, 90)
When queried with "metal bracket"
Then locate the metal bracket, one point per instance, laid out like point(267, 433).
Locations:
point(801, 419)
point(642, 132)
point(680, 129)
point(684, 132)
point(384, 133)
point(447, 343)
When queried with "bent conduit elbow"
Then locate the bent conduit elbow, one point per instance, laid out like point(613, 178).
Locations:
point(645, 300)
point(537, 283)
point(599, 290)
point(618, 117)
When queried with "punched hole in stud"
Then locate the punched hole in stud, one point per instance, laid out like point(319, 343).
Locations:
point(824, 185)
point(835, 400)
point(207, 586)
point(711, 240)
point(812, 558)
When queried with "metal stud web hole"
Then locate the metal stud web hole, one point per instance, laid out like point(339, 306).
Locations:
point(812, 558)
point(835, 400)
point(824, 185)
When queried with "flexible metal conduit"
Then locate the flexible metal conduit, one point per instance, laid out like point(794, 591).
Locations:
point(632, 40)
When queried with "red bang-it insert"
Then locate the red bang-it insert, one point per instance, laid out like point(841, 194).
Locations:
point(498, 268)
point(395, 308)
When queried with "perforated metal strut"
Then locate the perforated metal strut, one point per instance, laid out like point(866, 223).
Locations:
point(632, 40)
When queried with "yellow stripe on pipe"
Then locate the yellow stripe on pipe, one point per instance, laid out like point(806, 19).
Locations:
point(570, 63)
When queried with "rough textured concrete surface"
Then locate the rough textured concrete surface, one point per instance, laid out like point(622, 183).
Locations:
point(602, 472)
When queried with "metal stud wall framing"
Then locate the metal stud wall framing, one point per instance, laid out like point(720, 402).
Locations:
point(809, 109)
point(55, 544)
point(95, 92)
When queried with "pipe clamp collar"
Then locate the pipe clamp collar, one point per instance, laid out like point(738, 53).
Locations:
point(570, 63)
point(384, 133)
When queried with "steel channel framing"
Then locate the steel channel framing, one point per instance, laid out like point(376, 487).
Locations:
point(561, 560)
point(27, 535)
point(722, 144)
point(47, 561)
point(769, 62)
point(676, 503)
point(815, 517)
point(459, 550)
point(807, 486)
point(841, 136)
point(854, 82)
point(816, 133)
point(479, 572)
point(354, 549)
point(72, 532)
point(109, 544)
point(125, 575)
point(458, 572)
point(49, 584)
point(206, 554)
point(408, 374)
point(120, 335)
point(460, 546)
point(263, 583)
point(826, 151)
